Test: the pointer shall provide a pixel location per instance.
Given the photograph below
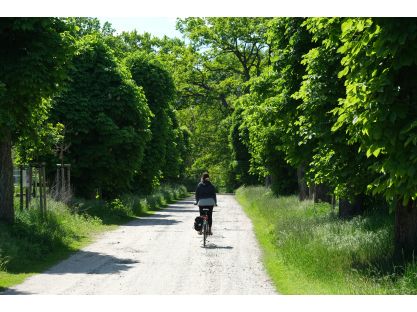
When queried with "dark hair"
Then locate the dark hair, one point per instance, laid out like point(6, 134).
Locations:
point(205, 176)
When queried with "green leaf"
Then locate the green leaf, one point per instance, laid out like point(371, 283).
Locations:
point(343, 72)
point(377, 151)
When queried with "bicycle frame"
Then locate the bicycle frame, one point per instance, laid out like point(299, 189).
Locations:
point(205, 225)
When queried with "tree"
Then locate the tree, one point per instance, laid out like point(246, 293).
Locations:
point(209, 144)
point(259, 117)
point(177, 150)
point(106, 118)
point(232, 51)
point(82, 26)
point(158, 86)
point(336, 164)
point(380, 114)
point(34, 54)
point(271, 110)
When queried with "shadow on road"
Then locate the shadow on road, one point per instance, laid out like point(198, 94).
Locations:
point(89, 262)
point(174, 207)
point(180, 210)
point(83, 262)
point(214, 246)
point(158, 215)
point(6, 291)
point(184, 202)
point(152, 221)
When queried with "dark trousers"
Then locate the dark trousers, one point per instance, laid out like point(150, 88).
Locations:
point(210, 213)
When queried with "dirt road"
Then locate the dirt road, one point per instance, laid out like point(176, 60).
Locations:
point(162, 254)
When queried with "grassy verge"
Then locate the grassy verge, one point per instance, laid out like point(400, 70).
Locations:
point(307, 250)
point(33, 244)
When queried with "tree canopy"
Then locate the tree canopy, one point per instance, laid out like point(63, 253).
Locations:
point(322, 107)
point(34, 56)
point(106, 117)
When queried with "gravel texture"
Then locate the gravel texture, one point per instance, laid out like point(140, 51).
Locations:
point(162, 254)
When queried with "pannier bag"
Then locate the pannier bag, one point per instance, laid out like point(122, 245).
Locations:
point(198, 223)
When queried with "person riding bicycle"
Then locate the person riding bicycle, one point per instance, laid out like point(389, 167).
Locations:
point(205, 197)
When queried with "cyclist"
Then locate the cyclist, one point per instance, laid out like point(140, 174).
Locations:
point(205, 197)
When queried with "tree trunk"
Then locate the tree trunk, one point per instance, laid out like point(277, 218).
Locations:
point(348, 210)
point(322, 194)
point(405, 229)
point(302, 185)
point(6, 179)
point(268, 181)
point(311, 191)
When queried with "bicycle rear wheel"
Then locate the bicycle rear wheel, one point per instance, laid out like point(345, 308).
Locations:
point(205, 229)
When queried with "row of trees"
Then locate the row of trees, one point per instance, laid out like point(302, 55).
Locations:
point(323, 105)
point(110, 101)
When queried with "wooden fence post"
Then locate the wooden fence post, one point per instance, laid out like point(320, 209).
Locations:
point(21, 186)
point(29, 187)
point(40, 189)
point(44, 187)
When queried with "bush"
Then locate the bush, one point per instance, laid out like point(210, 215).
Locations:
point(117, 208)
point(129, 205)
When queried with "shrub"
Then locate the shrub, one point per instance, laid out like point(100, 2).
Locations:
point(118, 208)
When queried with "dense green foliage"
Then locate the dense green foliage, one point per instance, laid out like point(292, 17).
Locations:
point(333, 161)
point(322, 107)
point(33, 57)
point(308, 250)
point(325, 103)
point(229, 51)
point(33, 53)
point(119, 133)
point(379, 109)
point(158, 86)
point(106, 118)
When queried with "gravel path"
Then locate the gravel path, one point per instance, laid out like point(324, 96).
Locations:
point(162, 254)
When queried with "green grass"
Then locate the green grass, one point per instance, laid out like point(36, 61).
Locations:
point(308, 250)
point(32, 244)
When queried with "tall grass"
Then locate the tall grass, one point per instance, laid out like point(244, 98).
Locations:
point(308, 250)
point(33, 243)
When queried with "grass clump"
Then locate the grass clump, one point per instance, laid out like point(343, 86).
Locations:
point(33, 243)
point(308, 250)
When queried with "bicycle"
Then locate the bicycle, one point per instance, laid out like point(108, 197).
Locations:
point(205, 228)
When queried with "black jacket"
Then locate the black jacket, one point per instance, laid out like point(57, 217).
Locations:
point(205, 190)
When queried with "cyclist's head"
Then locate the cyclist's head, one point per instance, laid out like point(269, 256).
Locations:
point(205, 177)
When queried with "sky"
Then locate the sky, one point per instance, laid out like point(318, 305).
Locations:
point(183, 8)
point(157, 26)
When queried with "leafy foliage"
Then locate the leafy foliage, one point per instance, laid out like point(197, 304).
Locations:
point(33, 64)
point(335, 161)
point(379, 111)
point(34, 52)
point(106, 117)
point(42, 137)
point(158, 86)
point(230, 52)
